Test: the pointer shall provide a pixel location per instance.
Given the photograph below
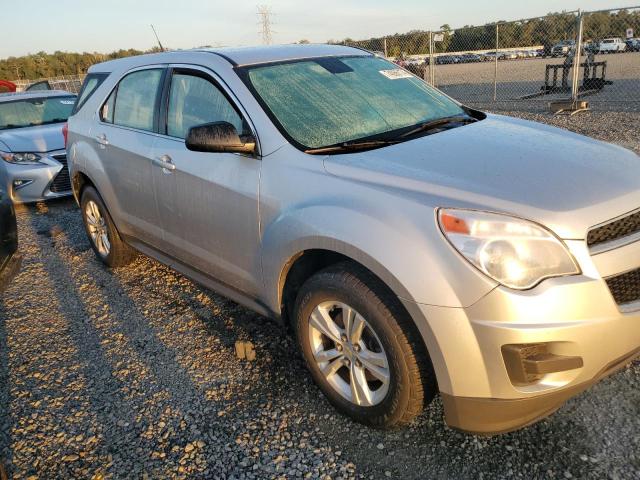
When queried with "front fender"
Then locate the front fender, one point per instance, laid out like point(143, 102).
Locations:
point(410, 257)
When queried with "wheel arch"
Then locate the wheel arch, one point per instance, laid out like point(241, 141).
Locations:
point(79, 181)
point(311, 258)
point(305, 263)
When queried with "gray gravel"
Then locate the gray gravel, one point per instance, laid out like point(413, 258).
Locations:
point(474, 82)
point(132, 373)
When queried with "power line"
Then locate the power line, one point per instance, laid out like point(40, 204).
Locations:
point(264, 20)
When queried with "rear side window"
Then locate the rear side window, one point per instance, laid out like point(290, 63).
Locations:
point(194, 100)
point(133, 102)
point(89, 86)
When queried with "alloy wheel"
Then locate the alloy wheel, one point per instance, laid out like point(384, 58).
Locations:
point(349, 353)
point(97, 228)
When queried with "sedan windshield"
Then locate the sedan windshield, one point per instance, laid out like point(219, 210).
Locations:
point(334, 100)
point(35, 111)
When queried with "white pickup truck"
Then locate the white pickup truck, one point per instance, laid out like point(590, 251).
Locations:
point(612, 45)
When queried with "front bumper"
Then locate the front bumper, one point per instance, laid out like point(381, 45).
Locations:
point(484, 416)
point(575, 316)
point(41, 181)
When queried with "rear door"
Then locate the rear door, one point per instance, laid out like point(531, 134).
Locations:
point(207, 202)
point(125, 135)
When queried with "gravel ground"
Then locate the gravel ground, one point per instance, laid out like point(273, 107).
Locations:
point(132, 373)
point(473, 82)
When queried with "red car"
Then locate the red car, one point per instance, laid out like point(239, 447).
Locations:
point(7, 86)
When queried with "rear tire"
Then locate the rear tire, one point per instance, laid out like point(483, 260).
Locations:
point(103, 235)
point(388, 338)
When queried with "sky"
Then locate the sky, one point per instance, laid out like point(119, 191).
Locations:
point(30, 26)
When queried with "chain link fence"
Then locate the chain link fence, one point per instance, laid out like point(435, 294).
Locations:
point(69, 83)
point(518, 64)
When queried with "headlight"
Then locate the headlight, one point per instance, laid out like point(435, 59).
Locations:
point(23, 158)
point(517, 253)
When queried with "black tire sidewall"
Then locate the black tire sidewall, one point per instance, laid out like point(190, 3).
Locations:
point(332, 287)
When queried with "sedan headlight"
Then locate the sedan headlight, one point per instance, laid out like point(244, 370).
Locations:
point(22, 158)
point(516, 253)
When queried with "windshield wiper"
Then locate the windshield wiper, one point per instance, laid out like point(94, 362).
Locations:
point(352, 146)
point(371, 143)
point(439, 122)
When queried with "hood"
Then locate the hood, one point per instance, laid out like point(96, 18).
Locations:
point(565, 181)
point(45, 138)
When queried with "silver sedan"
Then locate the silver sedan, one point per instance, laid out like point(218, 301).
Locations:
point(34, 162)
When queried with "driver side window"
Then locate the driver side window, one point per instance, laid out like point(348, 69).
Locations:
point(194, 100)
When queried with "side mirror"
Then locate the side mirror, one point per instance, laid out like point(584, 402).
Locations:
point(219, 137)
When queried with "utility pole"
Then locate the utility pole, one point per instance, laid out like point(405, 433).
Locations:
point(264, 19)
point(17, 68)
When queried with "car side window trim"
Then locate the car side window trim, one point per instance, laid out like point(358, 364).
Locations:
point(208, 75)
point(157, 106)
point(83, 94)
point(166, 104)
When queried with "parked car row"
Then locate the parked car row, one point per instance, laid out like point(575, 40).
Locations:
point(604, 46)
point(563, 48)
point(471, 57)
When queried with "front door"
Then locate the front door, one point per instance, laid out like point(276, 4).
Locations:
point(207, 202)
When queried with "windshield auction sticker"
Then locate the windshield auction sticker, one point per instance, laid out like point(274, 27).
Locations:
point(395, 73)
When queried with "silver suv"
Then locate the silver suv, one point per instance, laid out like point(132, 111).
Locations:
point(414, 245)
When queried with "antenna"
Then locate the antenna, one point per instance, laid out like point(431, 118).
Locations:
point(264, 19)
point(157, 38)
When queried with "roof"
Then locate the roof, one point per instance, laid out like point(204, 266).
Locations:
point(278, 53)
point(12, 96)
point(238, 56)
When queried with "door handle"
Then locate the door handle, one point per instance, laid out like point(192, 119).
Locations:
point(102, 139)
point(164, 162)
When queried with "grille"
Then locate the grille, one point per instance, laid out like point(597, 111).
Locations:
point(61, 182)
point(615, 230)
point(625, 288)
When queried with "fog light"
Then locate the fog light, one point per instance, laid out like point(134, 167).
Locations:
point(18, 184)
point(528, 363)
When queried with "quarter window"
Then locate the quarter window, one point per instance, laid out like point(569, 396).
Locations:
point(194, 100)
point(91, 83)
point(133, 103)
point(106, 114)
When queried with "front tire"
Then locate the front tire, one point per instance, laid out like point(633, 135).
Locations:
point(362, 349)
point(103, 235)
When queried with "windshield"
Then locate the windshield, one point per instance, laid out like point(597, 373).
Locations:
point(35, 111)
point(332, 100)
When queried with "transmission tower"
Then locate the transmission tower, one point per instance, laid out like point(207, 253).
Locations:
point(264, 20)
